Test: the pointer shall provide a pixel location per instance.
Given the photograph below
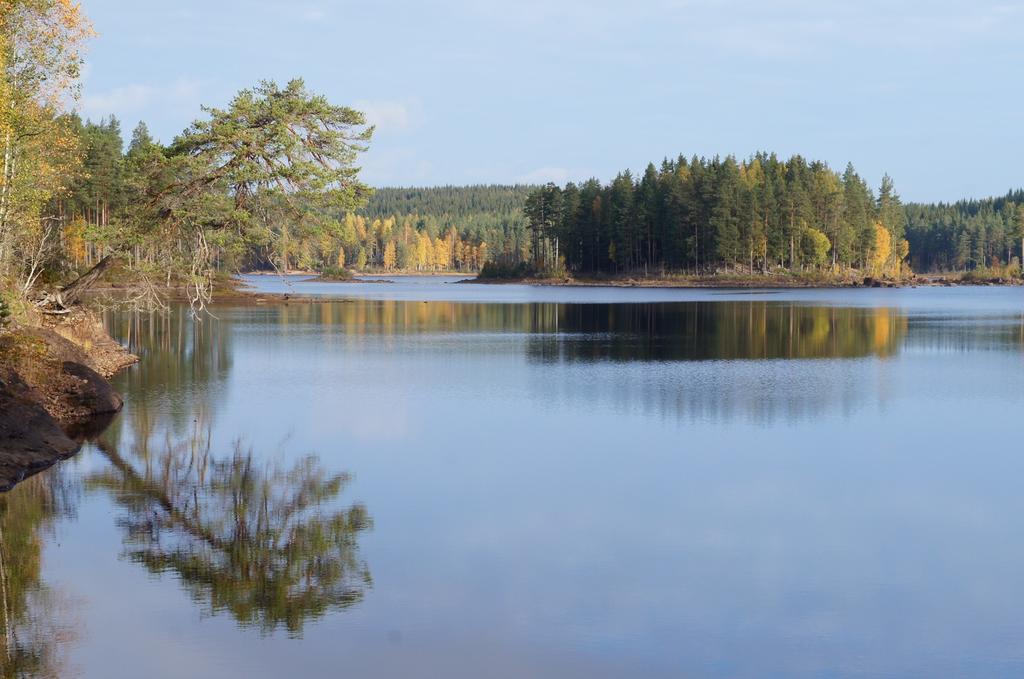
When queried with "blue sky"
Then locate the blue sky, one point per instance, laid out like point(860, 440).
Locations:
point(477, 91)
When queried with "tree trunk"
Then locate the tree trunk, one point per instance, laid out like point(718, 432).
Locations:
point(6, 193)
point(70, 293)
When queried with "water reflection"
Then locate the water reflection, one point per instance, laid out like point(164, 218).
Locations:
point(191, 355)
point(624, 426)
point(261, 541)
point(266, 541)
point(701, 331)
point(678, 359)
point(36, 619)
point(183, 368)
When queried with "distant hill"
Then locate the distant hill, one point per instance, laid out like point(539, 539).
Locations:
point(490, 214)
point(454, 201)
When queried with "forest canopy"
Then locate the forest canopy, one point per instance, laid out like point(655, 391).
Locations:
point(697, 215)
point(761, 214)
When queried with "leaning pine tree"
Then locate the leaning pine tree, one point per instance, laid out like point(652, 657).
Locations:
point(276, 160)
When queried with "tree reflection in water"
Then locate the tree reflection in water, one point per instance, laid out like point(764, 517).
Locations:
point(268, 543)
point(36, 619)
point(264, 542)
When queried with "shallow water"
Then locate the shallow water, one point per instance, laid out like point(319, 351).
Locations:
point(430, 479)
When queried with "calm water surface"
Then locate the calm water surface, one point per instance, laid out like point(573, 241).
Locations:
point(423, 479)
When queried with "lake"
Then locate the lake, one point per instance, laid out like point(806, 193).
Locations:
point(430, 479)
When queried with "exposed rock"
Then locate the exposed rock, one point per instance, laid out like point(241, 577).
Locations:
point(60, 377)
point(52, 392)
point(101, 352)
point(89, 394)
point(30, 440)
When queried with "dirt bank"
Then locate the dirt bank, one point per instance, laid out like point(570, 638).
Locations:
point(53, 391)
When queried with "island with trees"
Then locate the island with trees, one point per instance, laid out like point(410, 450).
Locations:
point(757, 217)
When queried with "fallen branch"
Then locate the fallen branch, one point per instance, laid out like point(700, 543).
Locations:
point(71, 292)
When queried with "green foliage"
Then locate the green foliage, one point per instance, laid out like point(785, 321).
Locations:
point(701, 215)
point(457, 202)
point(486, 215)
point(246, 182)
point(815, 247)
point(506, 271)
point(984, 274)
point(966, 235)
point(335, 273)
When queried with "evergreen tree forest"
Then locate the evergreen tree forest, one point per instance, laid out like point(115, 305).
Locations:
point(244, 183)
point(703, 215)
point(424, 230)
point(760, 215)
point(966, 235)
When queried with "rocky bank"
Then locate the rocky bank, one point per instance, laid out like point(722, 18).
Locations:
point(54, 391)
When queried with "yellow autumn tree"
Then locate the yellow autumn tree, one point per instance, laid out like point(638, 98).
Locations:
point(74, 240)
point(390, 256)
point(424, 252)
point(324, 247)
point(442, 254)
point(481, 256)
point(882, 250)
point(40, 58)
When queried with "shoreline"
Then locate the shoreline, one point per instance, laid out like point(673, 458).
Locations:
point(233, 290)
point(55, 392)
point(767, 282)
point(367, 274)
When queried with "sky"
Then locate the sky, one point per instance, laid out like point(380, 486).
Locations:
point(474, 91)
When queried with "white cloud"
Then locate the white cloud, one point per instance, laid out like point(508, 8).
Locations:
point(128, 99)
point(391, 116)
point(137, 98)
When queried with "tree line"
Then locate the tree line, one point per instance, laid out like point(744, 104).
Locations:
point(427, 229)
point(760, 215)
point(490, 217)
point(966, 235)
point(702, 215)
point(243, 182)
